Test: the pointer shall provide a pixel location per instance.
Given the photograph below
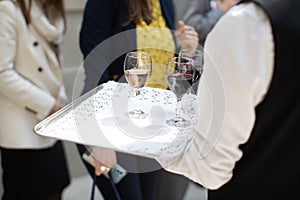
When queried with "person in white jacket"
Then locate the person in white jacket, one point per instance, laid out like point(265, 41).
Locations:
point(32, 88)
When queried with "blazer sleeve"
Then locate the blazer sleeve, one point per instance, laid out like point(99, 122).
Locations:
point(100, 18)
point(97, 26)
point(14, 86)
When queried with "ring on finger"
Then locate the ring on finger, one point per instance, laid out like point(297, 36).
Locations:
point(104, 168)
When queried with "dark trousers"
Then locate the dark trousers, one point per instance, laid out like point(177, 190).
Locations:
point(171, 186)
point(34, 174)
point(134, 186)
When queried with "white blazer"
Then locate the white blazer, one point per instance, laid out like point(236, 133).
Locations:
point(30, 80)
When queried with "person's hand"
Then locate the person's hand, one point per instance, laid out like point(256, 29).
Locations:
point(225, 5)
point(59, 103)
point(187, 36)
point(104, 160)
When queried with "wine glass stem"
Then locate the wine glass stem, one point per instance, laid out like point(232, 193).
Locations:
point(137, 92)
point(189, 90)
point(178, 108)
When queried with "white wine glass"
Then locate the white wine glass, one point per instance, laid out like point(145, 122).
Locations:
point(137, 70)
point(180, 73)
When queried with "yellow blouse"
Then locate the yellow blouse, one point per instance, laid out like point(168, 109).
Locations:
point(156, 38)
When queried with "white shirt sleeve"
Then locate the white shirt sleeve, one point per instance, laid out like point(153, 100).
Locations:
point(238, 68)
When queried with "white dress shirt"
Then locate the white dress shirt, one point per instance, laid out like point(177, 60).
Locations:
point(239, 59)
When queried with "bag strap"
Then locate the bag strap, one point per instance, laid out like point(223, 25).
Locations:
point(118, 197)
point(114, 186)
point(93, 187)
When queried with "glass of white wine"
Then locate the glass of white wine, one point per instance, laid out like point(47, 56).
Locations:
point(137, 70)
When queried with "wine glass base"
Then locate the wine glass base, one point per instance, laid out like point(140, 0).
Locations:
point(188, 110)
point(138, 114)
point(178, 122)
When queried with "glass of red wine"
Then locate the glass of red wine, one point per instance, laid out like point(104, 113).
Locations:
point(137, 70)
point(180, 71)
point(197, 57)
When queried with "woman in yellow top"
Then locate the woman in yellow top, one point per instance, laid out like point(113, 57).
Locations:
point(151, 24)
point(157, 39)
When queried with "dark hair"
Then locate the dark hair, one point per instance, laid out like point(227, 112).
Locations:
point(54, 9)
point(139, 9)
